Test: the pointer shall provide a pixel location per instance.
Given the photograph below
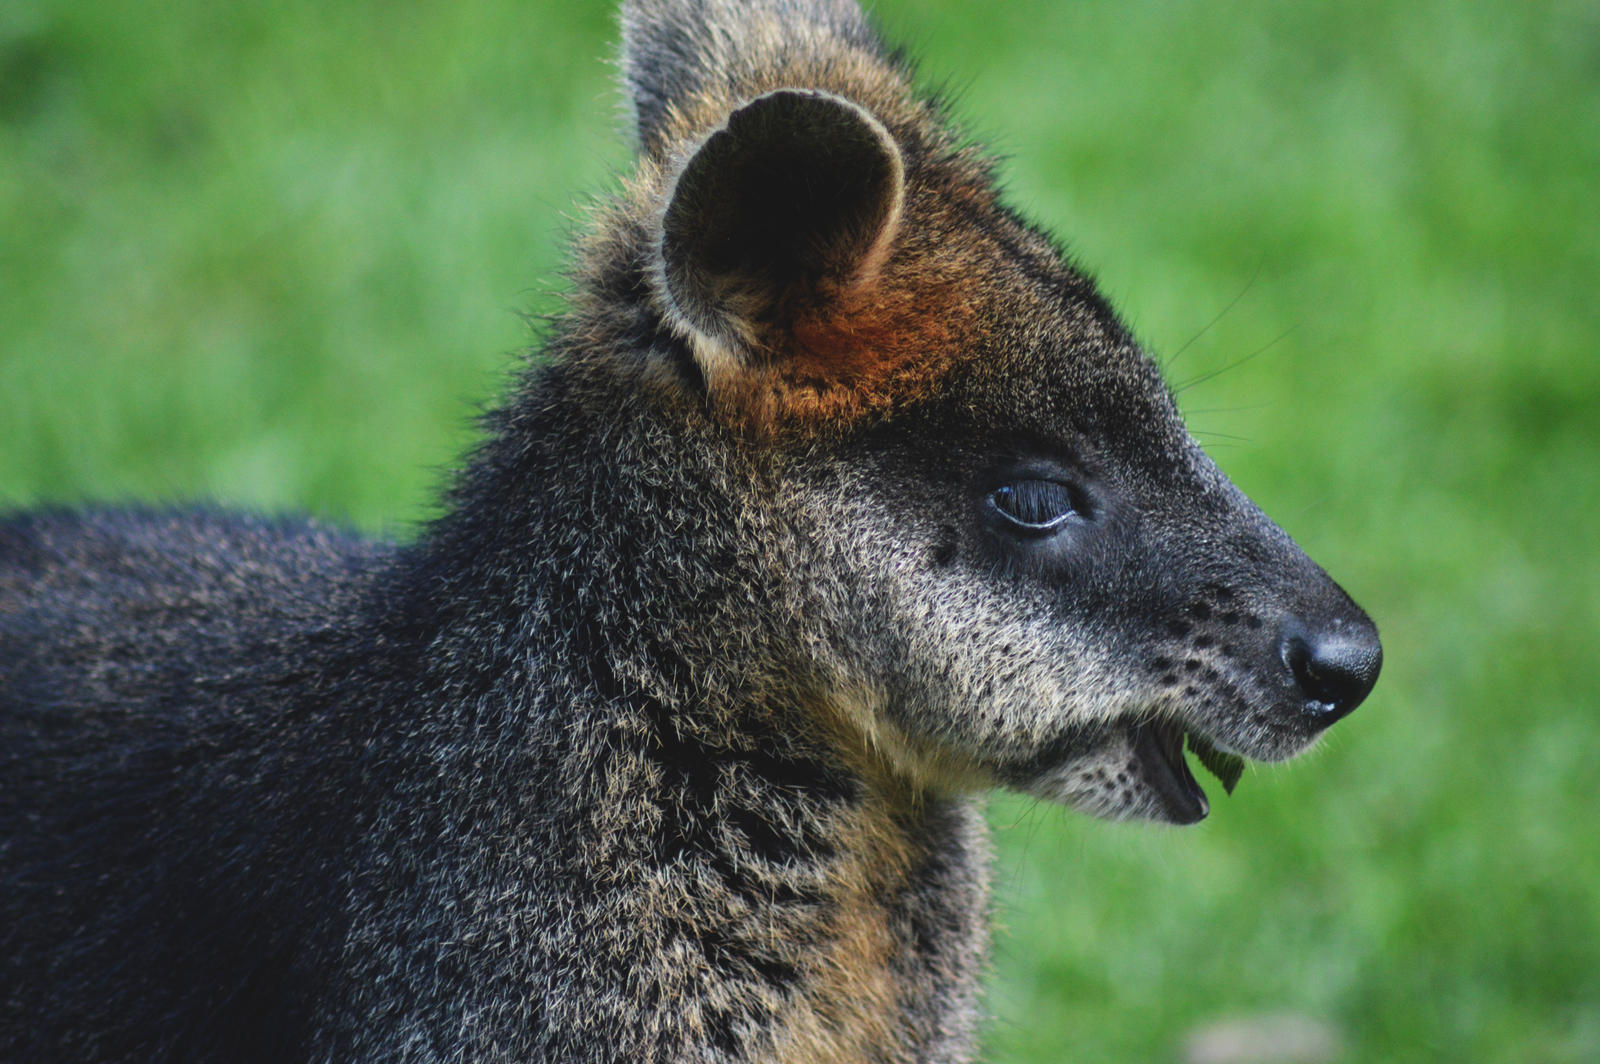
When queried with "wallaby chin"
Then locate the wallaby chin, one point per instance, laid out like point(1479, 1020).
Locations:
point(836, 497)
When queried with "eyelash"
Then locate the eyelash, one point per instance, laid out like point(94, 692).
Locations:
point(1038, 507)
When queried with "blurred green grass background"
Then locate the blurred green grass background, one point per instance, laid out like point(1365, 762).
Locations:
point(277, 254)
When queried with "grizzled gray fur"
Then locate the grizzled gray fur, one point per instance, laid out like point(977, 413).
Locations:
point(836, 498)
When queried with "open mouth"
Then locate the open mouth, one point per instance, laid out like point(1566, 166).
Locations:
point(1131, 768)
point(1158, 750)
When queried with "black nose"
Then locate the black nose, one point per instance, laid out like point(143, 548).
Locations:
point(1334, 667)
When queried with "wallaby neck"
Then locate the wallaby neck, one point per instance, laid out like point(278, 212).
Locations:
point(699, 851)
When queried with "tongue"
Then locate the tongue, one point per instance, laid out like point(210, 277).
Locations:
point(1158, 749)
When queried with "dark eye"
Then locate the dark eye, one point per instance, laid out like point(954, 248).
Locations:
point(1037, 506)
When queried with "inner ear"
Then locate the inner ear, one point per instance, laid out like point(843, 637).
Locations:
point(798, 195)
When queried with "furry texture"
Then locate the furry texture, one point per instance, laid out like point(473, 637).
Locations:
point(665, 742)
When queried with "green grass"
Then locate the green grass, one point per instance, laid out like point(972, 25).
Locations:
point(276, 255)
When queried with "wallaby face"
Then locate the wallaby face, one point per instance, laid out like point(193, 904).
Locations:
point(1047, 602)
point(1029, 574)
point(838, 498)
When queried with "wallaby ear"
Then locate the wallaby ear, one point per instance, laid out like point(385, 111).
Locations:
point(791, 206)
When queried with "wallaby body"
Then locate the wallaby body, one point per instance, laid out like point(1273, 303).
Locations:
point(837, 498)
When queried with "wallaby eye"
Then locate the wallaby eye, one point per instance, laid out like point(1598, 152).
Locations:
point(1037, 506)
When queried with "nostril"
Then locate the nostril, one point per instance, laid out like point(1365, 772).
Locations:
point(1335, 669)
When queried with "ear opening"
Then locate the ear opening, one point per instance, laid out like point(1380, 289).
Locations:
point(796, 198)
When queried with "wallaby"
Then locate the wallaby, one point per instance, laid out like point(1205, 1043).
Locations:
point(836, 498)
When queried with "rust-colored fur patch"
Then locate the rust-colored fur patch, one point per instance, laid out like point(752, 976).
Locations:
point(857, 353)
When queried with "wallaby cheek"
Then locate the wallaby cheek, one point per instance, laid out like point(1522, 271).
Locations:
point(986, 678)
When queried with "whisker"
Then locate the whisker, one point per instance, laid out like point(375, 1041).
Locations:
point(1236, 363)
point(1228, 409)
point(1172, 358)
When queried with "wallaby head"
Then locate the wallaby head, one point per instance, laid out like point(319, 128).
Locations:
point(1000, 557)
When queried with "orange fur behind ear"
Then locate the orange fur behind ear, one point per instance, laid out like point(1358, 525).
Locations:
point(856, 353)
